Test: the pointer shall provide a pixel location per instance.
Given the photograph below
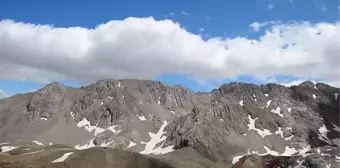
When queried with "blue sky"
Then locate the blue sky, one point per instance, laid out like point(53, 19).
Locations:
point(207, 19)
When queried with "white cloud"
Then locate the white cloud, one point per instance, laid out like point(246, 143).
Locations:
point(144, 48)
point(294, 83)
point(208, 18)
point(271, 6)
point(171, 13)
point(256, 26)
point(185, 13)
point(3, 94)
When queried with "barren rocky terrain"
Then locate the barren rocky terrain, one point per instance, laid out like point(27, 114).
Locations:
point(142, 123)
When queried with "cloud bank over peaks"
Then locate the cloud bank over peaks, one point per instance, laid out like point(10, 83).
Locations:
point(145, 48)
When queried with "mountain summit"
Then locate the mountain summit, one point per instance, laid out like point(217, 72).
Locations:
point(143, 123)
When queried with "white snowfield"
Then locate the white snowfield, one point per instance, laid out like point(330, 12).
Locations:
point(97, 130)
point(114, 129)
point(43, 118)
point(155, 139)
point(150, 147)
point(288, 152)
point(277, 111)
point(279, 132)
point(323, 133)
point(314, 96)
point(90, 144)
point(62, 158)
point(38, 143)
point(268, 103)
point(141, 117)
point(289, 109)
point(241, 103)
point(251, 126)
point(7, 148)
point(131, 144)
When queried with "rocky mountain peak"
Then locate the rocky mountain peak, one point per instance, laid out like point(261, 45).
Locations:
point(151, 118)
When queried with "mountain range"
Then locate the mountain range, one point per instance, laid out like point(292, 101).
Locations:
point(144, 123)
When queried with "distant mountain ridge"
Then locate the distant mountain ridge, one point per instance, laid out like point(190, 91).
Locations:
point(225, 127)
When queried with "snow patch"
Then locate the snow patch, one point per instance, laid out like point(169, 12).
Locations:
point(279, 132)
point(255, 100)
point(266, 95)
point(323, 131)
point(73, 115)
point(172, 112)
point(119, 84)
point(159, 100)
point(314, 96)
point(110, 97)
point(322, 154)
point(289, 109)
point(38, 143)
point(114, 129)
point(337, 158)
point(268, 103)
point(90, 144)
point(85, 123)
point(62, 158)
point(289, 138)
point(254, 95)
point(336, 96)
point(251, 126)
point(155, 139)
point(43, 118)
point(32, 152)
point(304, 151)
point(277, 111)
point(142, 118)
point(106, 144)
point(299, 164)
point(289, 151)
point(7, 148)
point(51, 143)
point(236, 159)
point(241, 103)
point(101, 103)
point(289, 128)
point(131, 144)
point(269, 151)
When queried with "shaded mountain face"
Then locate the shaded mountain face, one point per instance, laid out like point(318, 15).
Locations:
point(235, 125)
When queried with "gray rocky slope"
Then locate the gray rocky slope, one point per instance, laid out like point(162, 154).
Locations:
point(238, 124)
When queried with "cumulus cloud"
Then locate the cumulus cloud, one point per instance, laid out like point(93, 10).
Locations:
point(3, 94)
point(257, 25)
point(144, 48)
